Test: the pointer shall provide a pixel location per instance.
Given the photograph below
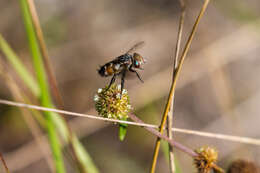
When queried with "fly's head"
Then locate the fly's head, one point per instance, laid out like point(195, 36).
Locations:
point(138, 61)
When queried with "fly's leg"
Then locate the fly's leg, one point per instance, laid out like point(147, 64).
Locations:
point(122, 82)
point(132, 70)
point(111, 82)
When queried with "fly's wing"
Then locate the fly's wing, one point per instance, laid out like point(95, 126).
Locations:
point(136, 46)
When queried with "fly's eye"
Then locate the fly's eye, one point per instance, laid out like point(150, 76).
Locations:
point(136, 64)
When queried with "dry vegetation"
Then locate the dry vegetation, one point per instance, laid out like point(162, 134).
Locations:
point(217, 90)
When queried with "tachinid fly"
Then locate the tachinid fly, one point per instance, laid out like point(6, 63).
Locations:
point(121, 65)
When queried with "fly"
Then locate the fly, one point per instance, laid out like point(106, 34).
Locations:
point(128, 62)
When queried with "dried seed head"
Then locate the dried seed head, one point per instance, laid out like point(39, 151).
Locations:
point(110, 103)
point(206, 159)
point(243, 166)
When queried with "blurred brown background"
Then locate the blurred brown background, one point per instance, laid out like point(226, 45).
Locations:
point(218, 90)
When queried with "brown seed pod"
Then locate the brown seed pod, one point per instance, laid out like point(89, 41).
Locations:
point(243, 166)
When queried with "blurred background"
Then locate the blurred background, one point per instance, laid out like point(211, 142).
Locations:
point(218, 90)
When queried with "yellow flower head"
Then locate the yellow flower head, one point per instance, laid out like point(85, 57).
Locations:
point(110, 104)
point(206, 159)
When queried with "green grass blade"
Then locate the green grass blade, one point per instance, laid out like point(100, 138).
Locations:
point(43, 85)
point(122, 131)
point(84, 157)
point(18, 66)
point(165, 149)
point(81, 152)
point(21, 70)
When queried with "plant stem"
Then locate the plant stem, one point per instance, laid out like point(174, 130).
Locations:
point(5, 165)
point(45, 98)
point(44, 51)
point(23, 73)
point(173, 86)
point(164, 137)
point(239, 139)
point(52, 80)
point(175, 64)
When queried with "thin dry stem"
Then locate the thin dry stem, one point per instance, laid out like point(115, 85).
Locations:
point(161, 136)
point(5, 165)
point(173, 86)
point(170, 135)
point(245, 140)
point(175, 64)
point(180, 30)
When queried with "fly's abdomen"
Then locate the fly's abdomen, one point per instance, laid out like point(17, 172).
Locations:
point(116, 66)
point(101, 71)
point(106, 70)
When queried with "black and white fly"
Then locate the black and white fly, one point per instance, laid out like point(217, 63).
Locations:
point(130, 61)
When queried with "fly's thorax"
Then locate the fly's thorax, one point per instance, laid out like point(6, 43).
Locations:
point(129, 60)
point(118, 67)
point(125, 59)
point(129, 56)
point(122, 62)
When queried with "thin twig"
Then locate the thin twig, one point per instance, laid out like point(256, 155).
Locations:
point(175, 64)
point(173, 86)
point(5, 165)
point(232, 138)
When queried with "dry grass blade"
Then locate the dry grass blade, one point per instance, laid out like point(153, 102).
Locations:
point(175, 64)
point(173, 86)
